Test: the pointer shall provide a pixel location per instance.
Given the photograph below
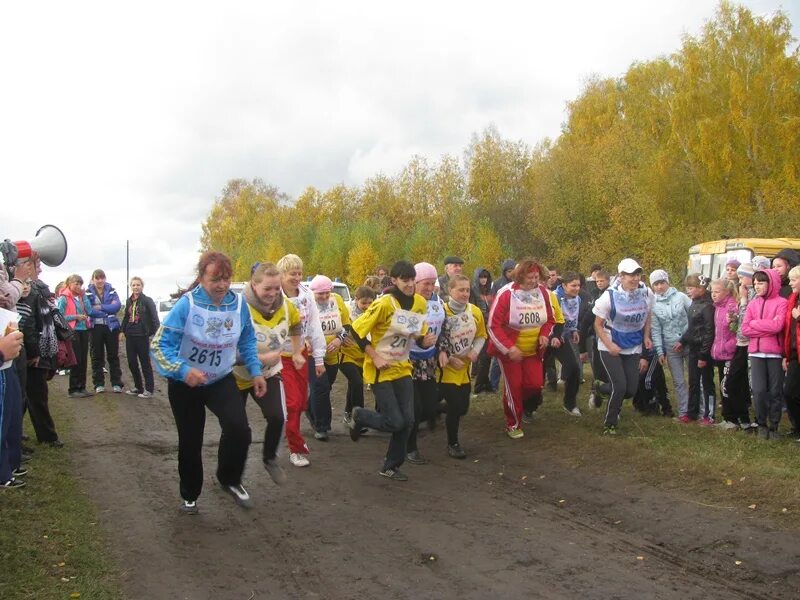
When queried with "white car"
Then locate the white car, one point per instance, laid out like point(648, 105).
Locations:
point(163, 306)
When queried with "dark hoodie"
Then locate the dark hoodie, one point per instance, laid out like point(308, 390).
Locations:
point(699, 336)
point(501, 281)
point(481, 296)
point(793, 258)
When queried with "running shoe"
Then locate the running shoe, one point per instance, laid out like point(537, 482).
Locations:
point(146, 394)
point(355, 429)
point(322, 436)
point(298, 460)
point(117, 389)
point(189, 507)
point(415, 458)
point(19, 472)
point(527, 416)
point(240, 495)
point(133, 392)
point(12, 484)
point(346, 418)
point(275, 471)
point(575, 412)
point(706, 421)
point(455, 451)
point(394, 474)
point(99, 389)
point(610, 430)
point(684, 419)
point(515, 434)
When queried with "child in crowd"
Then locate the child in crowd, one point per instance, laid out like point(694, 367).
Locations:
point(763, 324)
point(652, 392)
point(723, 350)
point(351, 362)
point(698, 339)
point(565, 346)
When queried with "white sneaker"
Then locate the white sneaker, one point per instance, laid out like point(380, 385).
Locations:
point(99, 389)
point(575, 412)
point(240, 495)
point(146, 394)
point(592, 400)
point(117, 389)
point(726, 425)
point(298, 460)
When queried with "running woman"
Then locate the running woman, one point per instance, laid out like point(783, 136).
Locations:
point(334, 319)
point(622, 324)
point(460, 344)
point(423, 360)
point(295, 380)
point(520, 322)
point(196, 349)
point(393, 322)
point(275, 320)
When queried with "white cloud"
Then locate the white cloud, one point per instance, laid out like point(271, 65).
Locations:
point(124, 122)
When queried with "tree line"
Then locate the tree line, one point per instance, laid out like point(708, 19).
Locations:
point(698, 145)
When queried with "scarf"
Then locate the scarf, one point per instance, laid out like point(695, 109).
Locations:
point(265, 310)
point(457, 307)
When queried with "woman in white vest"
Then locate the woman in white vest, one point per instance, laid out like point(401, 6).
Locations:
point(622, 325)
point(196, 349)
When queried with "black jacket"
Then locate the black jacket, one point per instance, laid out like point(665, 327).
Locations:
point(699, 336)
point(149, 315)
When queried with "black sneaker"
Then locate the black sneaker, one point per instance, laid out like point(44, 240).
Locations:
point(56, 443)
point(415, 458)
point(20, 472)
point(240, 495)
point(12, 484)
point(394, 474)
point(456, 451)
point(189, 507)
point(355, 428)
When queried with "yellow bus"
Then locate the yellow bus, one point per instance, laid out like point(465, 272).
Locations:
point(709, 258)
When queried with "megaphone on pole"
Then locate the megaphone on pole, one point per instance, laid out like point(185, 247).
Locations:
point(49, 243)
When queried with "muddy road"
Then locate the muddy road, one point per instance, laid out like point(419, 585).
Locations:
point(510, 521)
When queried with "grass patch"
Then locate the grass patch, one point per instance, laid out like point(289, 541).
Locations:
point(50, 545)
point(722, 469)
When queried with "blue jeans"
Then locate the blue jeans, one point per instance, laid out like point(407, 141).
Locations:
point(395, 400)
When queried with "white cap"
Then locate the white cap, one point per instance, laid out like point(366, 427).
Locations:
point(628, 265)
point(658, 275)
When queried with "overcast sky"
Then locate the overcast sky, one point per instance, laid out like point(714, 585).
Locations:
point(124, 121)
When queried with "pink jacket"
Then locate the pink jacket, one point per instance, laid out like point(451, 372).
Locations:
point(724, 346)
point(764, 319)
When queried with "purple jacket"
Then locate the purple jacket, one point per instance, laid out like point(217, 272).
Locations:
point(764, 318)
point(724, 346)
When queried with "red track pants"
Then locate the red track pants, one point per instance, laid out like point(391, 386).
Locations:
point(521, 380)
point(295, 386)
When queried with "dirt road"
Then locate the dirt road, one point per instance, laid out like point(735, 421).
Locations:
point(508, 522)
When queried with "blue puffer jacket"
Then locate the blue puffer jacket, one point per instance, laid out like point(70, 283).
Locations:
point(670, 319)
point(104, 312)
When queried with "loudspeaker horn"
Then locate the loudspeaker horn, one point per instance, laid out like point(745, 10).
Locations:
point(49, 243)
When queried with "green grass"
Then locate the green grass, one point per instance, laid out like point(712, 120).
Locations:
point(723, 469)
point(50, 545)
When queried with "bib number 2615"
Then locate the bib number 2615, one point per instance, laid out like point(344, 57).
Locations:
point(212, 358)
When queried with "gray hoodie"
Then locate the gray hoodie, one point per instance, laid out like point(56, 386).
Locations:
point(670, 319)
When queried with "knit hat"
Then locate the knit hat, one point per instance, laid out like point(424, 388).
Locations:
point(697, 280)
point(732, 262)
point(658, 275)
point(425, 271)
point(745, 270)
point(760, 263)
point(321, 284)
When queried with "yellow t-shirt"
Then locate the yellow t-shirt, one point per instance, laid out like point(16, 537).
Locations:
point(351, 353)
point(376, 321)
point(462, 376)
point(528, 339)
point(270, 335)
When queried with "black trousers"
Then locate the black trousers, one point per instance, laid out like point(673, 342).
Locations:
point(702, 392)
point(105, 344)
point(273, 407)
point(138, 349)
point(38, 395)
point(457, 398)
point(737, 384)
point(355, 385)
point(189, 409)
point(426, 403)
point(77, 373)
point(482, 383)
point(791, 393)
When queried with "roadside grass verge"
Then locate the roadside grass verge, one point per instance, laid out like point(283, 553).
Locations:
point(727, 470)
point(50, 545)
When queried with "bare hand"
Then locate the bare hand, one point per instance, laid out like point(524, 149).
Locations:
point(576, 338)
point(333, 346)
point(544, 341)
point(677, 347)
point(429, 340)
point(648, 343)
point(380, 362)
point(34, 362)
point(195, 377)
point(348, 342)
point(319, 370)
point(515, 354)
point(472, 356)
point(642, 365)
point(584, 356)
point(270, 359)
point(259, 386)
point(796, 313)
point(11, 344)
point(456, 362)
point(786, 360)
point(662, 360)
point(299, 361)
point(555, 342)
point(443, 359)
point(613, 349)
point(701, 364)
